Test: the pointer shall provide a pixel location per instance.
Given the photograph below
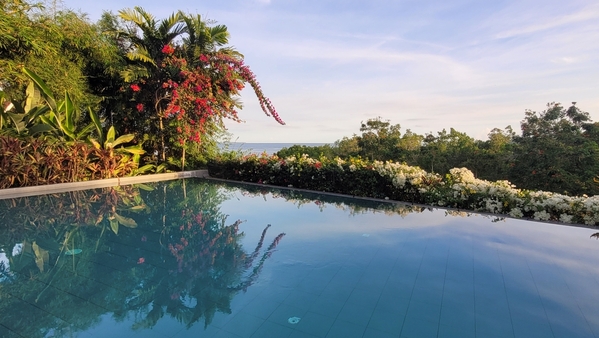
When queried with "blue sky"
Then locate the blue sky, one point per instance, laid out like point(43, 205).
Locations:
point(327, 65)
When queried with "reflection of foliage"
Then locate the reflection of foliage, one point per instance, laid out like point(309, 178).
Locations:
point(596, 235)
point(176, 256)
point(354, 207)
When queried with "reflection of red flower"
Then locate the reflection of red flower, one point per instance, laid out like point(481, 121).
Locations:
point(168, 49)
point(144, 238)
point(135, 87)
point(141, 260)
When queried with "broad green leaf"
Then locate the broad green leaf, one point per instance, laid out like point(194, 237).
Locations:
point(95, 143)
point(69, 110)
point(144, 186)
point(123, 139)
point(44, 88)
point(49, 120)
point(110, 135)
point(39, 128)
point(114, 225)
point(133, 150)
point(85, 131)
point(33, 96)
point(126, 221)
point(97, 124)
point(143, 170)
point(41, 256)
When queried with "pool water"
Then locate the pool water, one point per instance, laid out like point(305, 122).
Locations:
point(197, 258)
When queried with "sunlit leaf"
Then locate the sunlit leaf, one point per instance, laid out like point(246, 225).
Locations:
point(114, 225)
point(126, 221)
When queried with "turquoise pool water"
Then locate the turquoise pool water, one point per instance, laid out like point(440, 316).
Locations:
point(196, 258)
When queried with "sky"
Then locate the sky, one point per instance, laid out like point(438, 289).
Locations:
point(328, 65)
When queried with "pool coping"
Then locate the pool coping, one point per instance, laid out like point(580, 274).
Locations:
point(103, 183)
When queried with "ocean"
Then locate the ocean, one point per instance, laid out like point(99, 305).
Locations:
point(269, 148)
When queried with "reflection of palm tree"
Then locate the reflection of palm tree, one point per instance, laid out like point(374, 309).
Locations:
point(596, 235)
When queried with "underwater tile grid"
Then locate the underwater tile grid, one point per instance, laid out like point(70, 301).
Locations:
point(198, 258)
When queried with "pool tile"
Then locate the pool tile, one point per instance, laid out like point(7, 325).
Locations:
point(327, 306)
point(365, 298)
point(345, 329)
point(418, 328)
point(243, 324)
point(392, 304)
point(489, 325)
point(531, 329)
point(338, 292)
point(261, 308)
point(356, 314)
point(315, 324)
point(385, 321)
point(419, 311)
point(451, 331)
point(22, 316)
point(457, 314)
point(301, 299)
point(282, 314)
point(432, 296)
point(8, 333)
point(300, 334)
point(374, 333)
point(272, 330)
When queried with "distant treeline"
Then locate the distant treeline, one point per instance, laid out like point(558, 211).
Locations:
point(557, 150)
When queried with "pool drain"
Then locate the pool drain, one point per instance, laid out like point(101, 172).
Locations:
point(293, 320)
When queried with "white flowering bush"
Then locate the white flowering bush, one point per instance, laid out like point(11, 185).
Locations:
point(458, 189)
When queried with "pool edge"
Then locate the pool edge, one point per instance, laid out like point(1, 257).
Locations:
point(109, 182)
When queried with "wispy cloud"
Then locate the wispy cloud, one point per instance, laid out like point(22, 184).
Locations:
point(474, 66)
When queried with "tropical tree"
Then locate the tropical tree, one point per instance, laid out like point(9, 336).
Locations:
point(181, 90)
point(558, 151)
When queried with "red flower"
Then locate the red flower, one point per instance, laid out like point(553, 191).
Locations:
point(168, 49)
point(140, 107)
point(135, 87)
point(203, 58)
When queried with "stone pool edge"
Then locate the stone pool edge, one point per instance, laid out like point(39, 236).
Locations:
point(109, 182)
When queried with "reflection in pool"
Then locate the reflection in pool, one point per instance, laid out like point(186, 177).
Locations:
point(196, 258)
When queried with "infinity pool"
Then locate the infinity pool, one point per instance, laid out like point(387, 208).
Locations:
point(198, 258)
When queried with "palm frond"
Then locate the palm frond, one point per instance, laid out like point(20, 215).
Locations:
point(133, 73)
point(170, 24)
point(132, 15)
point(141, 54)
point(219, 35)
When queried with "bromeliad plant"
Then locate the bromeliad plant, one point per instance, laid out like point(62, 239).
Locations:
point(458, 189)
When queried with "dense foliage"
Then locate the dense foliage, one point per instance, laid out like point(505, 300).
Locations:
point(558, 150)
point(164, 84)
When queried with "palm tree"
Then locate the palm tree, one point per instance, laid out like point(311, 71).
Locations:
point(146, 38)
point(202, 39)
point(145, 50)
